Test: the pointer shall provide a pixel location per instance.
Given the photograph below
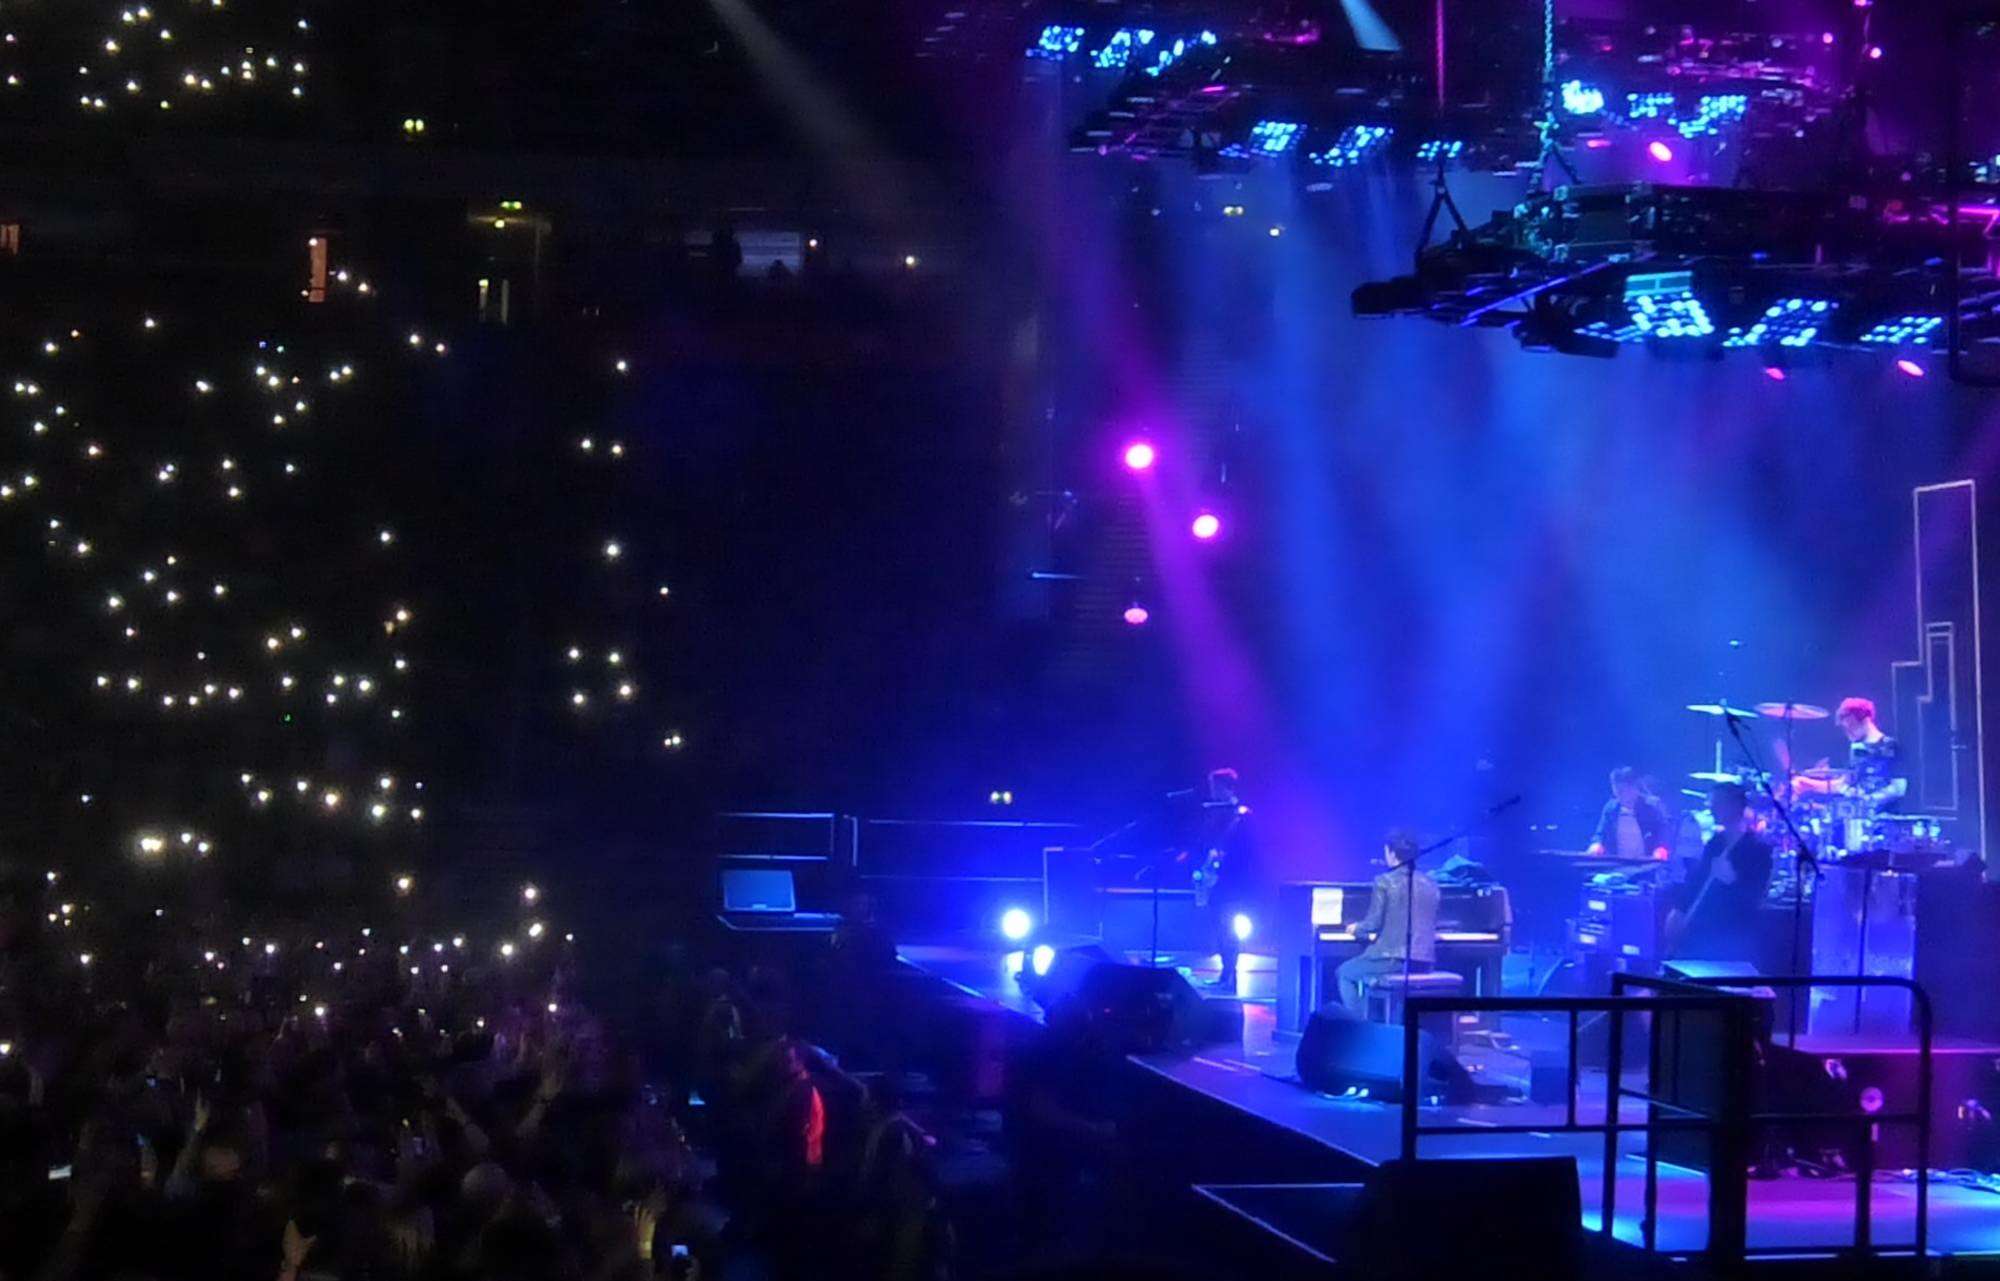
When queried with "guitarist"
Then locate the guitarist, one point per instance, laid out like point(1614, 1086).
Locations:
point(1224, 880)
point(1717, 917)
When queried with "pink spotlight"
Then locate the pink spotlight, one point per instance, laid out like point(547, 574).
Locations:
point(1910, 367)
point(1140, 455)
point(1874, 51)
point(1136, 615)
point(1826, 37)
point(1206, 526)
point(1659, 151)
point(1774, 373)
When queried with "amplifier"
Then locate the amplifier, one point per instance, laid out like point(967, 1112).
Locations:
point(1622, 926)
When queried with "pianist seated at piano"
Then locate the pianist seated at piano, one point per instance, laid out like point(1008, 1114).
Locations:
point(1633, 825)
point(1401, 924)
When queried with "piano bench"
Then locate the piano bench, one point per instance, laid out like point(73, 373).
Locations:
point(1390, 989)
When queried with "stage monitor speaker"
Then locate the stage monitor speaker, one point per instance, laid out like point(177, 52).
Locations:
point(1498, 1217)
point(1141, 1009)
point(1339, 1052)
point(1065, 974)
point(1861, 1080)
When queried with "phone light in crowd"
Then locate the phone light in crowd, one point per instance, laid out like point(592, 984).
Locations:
point(1659, 151)
point(1242, 926)
point(404, 884)
point(1206, 526)
point(1910, 367)
point(1140, 455)
point(1041, 959)
point(1136, 615)
point(529, 893)
point(1016, 924)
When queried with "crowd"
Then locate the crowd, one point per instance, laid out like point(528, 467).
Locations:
point(361, 1102)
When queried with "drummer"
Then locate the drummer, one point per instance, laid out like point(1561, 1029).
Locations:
point(1875, 762)
point(1633, 825)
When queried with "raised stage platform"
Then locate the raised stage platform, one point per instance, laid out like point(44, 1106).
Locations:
point(1253, 1081)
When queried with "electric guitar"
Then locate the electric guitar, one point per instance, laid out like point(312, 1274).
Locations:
point(1206, 876)
point(1677, 922)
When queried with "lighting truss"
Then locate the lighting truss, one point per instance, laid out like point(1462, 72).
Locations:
point(1707, 272)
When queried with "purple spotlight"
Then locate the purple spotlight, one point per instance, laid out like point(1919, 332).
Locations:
point(1140, 455)
point(1910, 367)
point(1659, 151)
point(1206, 526)
point(1874, 51)
point(1136, 615)
point(1774, 373)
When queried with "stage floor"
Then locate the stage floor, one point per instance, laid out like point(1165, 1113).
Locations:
point(1805, 1215)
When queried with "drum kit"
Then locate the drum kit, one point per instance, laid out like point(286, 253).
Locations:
point(1834, 818)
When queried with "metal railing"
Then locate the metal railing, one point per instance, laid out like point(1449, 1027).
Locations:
point(1726, 1124)
point(1862, 1123)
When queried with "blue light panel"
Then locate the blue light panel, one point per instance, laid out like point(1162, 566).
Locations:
point(1352, 146)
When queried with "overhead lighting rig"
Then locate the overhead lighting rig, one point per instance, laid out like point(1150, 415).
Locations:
point(1710, 272)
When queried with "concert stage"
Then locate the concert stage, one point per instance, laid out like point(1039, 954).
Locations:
point(1279, 1133)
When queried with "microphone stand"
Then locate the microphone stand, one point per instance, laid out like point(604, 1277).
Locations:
point(1410, 886)
point(1803, 856)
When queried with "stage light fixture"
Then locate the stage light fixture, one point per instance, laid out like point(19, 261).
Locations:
point(1041, 959)
point(1242, 926)
point(1910, 367)
point(1206, 526)
point(1016, 924)
point(1659, 151)
point(1136, 615)
point(1140, 455)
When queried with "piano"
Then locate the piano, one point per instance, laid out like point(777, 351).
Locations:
point(1315, 933)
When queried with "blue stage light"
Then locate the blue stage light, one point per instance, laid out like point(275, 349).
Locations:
point(1242, 926)
point(1912, 330)
point(1787, 322)
point(1117, 51)
point(1041, 959)
point(1649, 106)
point(1657, 305)
point(1057, 42)
point(1712, 111)
point(1580, 99)
point(1440, 149)
point(1016, 924)
point(1352, 146)
point(1275, 137)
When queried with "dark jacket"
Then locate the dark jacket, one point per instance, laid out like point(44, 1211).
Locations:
point(1722, 919)
point(1652, 826)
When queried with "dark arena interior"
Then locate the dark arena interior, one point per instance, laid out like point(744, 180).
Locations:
point(973, 640)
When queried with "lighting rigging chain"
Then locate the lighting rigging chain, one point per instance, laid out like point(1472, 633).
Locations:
point(1545, 127)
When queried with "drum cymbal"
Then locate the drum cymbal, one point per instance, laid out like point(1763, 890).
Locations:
point(1825, 774)
point(1719, 709)
point(1711, 776)
point(1793, 711)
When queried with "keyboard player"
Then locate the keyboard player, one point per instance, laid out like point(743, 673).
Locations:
point(1401, 924)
